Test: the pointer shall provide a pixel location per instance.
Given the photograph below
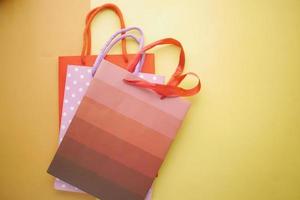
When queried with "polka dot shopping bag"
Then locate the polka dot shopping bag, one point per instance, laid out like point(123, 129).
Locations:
point(122, 130)
point(77, 82)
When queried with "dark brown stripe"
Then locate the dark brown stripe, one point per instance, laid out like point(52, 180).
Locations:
point(113, 147)
point(105, 167)
point(88, 181)
point(124, 128)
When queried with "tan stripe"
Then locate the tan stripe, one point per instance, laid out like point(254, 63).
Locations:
point(114, 75)
point(124, 128)
point(134, 108)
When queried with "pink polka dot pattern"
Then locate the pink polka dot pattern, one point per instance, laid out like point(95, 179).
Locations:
point(77, 81)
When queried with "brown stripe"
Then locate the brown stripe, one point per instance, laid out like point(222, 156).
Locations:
point(123, 127)
point(105, 167)
point(134, 108)
point(114, 75)
point(88, 181)
point(113, 147)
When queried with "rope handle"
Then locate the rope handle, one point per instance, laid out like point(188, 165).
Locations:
point(112, 41)
point(86, 48)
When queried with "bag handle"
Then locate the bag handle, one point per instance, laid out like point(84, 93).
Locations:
point(112, 41)
point(86, 49)
point(91, 16)
point(171, 89)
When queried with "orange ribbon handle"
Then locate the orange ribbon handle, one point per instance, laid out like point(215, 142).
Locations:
point(86, 49)
point(171, 89)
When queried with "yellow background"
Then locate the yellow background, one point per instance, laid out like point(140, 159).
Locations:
point(241, 138)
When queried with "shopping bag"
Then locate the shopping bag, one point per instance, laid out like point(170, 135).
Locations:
point(122, 131)
point(77, 81)
point(87, 59)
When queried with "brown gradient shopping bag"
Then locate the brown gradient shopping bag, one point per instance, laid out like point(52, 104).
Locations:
point(122, 131)
point(87, 59)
